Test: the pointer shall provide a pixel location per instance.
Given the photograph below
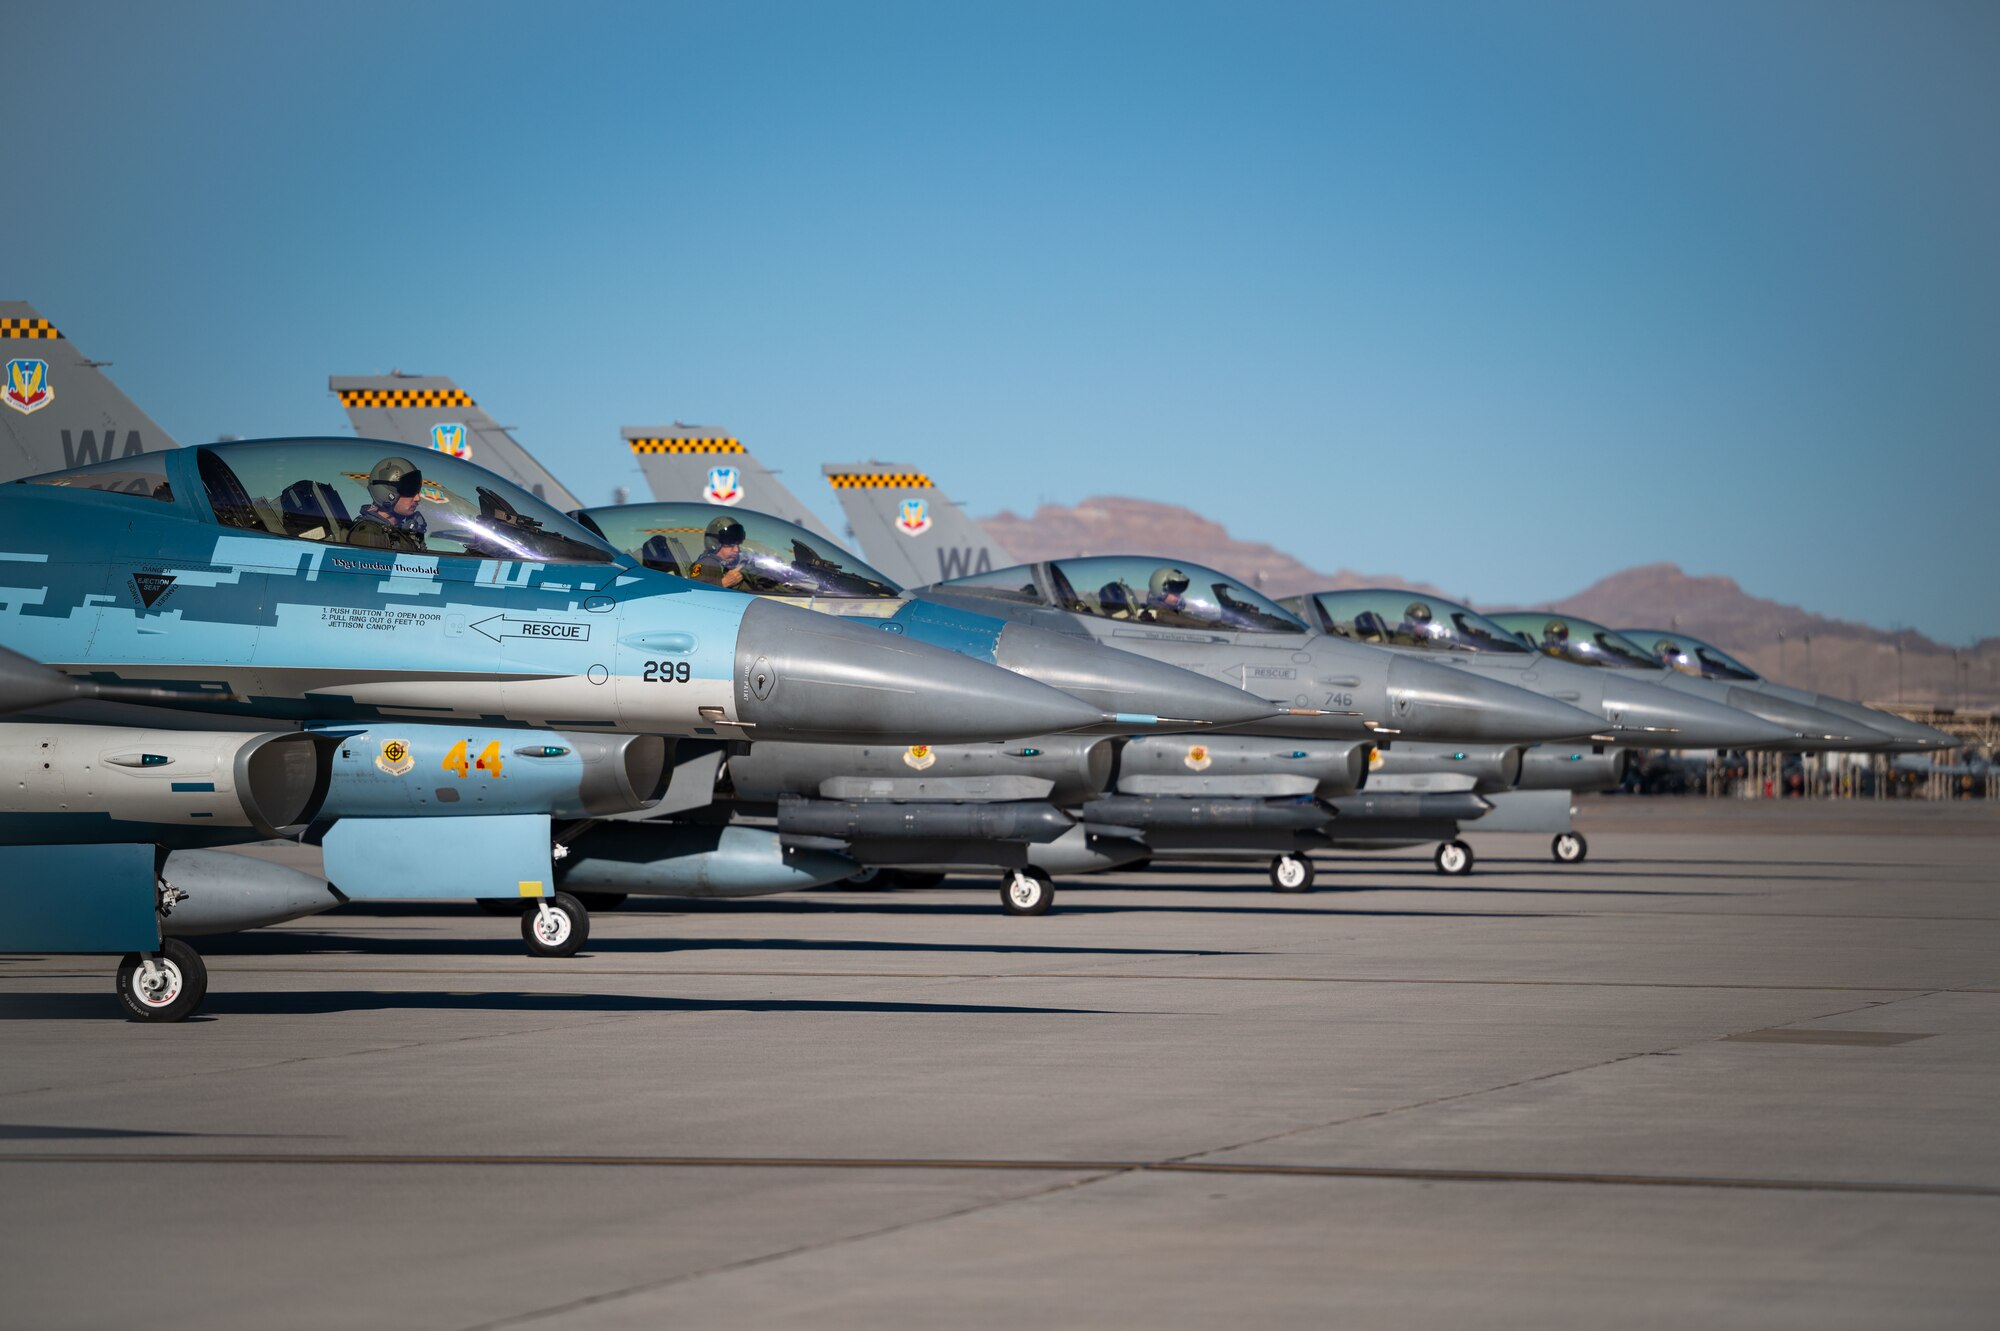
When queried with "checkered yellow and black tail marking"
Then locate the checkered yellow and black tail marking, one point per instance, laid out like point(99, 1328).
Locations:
point(406, 397)
point(34, 328)
point(686, 446)
point(887, 480)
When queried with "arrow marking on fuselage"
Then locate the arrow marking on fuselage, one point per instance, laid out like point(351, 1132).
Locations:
point(497, 627)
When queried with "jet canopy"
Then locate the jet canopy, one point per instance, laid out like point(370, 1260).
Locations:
point(708, 543)
point(1142, 589)
point(1386, 617)
point(1691, 656)
point(1568, 638)
point(367, 493)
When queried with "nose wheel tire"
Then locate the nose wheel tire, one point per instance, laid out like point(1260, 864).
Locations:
point(1027, 892)
point(1569, 848)
point(1292, 873)
point(1454, 858)
point(556, 926)
point(167, 985)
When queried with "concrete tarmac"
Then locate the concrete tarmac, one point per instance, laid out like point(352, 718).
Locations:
point(1740, 1068)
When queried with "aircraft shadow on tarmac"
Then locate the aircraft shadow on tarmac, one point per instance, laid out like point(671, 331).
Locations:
point(96, 1006)
point(316, 941)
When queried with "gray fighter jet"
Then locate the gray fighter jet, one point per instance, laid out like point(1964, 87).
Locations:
point(880, 806)
point(1638, 713)
point(1694, 659)
point(1611, 656)
point(904, 520)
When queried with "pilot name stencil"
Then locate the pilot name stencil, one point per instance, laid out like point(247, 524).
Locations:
point(499, 626)
point(364, 617)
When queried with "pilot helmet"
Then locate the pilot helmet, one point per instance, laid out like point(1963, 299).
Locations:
point(722, 531)
point(393, 479)
point(1418, 612)
point(1555, 630)
point(1169, 582)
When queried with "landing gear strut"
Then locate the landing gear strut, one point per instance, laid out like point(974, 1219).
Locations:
point(1569, 848)
point(1026, 892)
point(1292, 873)
point(556, 926)
point(1454, 858)
point(167, 985)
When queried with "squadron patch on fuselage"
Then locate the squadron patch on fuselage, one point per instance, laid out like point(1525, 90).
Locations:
point(1197, 757)
point(919, 756)
point(28, 387)
point(450, 438)
point(914, 517)
point(395, 758)
point(725, 486)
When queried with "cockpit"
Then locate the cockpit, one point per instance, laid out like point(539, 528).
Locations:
point(753, 553)
point(1691, 656)
point(1141, 590)
point(1390, 618)
point(1568, 638)
point(378, 496)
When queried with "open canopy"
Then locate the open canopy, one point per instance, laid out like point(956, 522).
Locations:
point(737, 549)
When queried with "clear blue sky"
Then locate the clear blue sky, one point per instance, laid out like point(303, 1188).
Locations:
point(1501, 296)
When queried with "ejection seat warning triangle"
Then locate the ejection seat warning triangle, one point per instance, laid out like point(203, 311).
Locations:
point(497, 627)
point(151, 587)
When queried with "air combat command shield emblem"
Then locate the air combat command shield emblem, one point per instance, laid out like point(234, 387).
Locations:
point(450, 438)
point(28, 388)
point(919, 756)
point(725, 486)
point(914, 518)
point(1197, 757)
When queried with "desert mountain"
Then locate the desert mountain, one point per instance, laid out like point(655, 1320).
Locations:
point(1832, 655)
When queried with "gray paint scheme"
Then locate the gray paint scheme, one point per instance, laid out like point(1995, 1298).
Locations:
point(684, 476)
point(951, 545)
point(412, 423)
point(86, 419)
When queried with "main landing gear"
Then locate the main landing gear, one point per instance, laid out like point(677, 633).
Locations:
point(1026, 892)
point(1454, 858)
point(1292, 873)
point(1569, 848)
point(167, 985)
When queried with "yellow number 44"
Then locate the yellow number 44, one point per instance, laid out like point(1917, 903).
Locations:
point(487, 762)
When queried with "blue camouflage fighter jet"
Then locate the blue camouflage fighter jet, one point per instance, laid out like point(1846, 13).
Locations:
point(332, 632)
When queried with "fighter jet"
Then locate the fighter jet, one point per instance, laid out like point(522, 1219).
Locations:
point(1203, 619)
point(1612, 656)
point(915, 806)
point(1636, 712)
point(1692, 658)
point(449, 664)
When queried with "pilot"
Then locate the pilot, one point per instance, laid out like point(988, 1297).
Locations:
point(1669, 654)
point(393, 517)
point(1167, 592)
point(721, 555)
point(1416, 625)
point(1555, 638)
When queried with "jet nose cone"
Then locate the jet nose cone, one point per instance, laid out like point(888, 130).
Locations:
point(1432, 701)
point(1656, 718)
point(805, 676)
point(1813, 727)
point(1901, 732)
point(1148, 695)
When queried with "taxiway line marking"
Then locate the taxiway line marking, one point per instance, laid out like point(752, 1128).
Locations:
point(1037, 1166)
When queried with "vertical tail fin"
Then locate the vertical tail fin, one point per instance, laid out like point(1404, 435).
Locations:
point(430, 411)
point(693, 463)
point(907, 527)
point(58, 410)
